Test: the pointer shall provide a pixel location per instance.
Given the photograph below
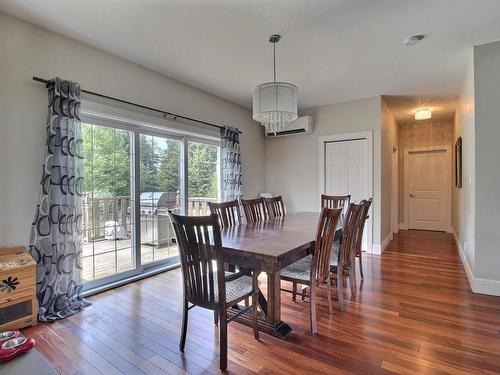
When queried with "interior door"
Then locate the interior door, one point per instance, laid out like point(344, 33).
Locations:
point(428, 189)
point(346, 172)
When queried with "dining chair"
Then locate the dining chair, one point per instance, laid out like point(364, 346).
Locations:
point(313, 270)
point(254, 210)
point(275, 206)
point(343, 259)
point(359, 233)
point(336, 201)
point(200, 246)
point(228, 213)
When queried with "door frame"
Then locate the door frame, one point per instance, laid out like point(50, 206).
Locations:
point(395, 192)
point(447, 149)
point(343, 137)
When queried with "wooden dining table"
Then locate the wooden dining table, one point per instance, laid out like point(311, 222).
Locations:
point(268, 246)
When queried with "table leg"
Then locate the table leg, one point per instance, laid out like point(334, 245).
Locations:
point(270, 318)
point(273, 297)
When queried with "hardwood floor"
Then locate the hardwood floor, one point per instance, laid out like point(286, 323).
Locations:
point(414, 314)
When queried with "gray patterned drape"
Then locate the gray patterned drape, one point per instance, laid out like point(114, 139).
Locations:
point(55, 242)
point(231, 164)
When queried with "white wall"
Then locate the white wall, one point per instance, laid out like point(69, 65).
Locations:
point(487, 140)
point(463, 212)
point(26, 51)
point(292, 165)
point(389, 140)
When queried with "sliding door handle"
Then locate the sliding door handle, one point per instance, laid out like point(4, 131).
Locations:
point(412, 196)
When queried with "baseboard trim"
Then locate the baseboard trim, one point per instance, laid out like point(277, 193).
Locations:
point(463, 258)
point(477, 285)
point(403, 226)
point(378, 249)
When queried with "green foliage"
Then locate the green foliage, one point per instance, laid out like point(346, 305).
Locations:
point(108, 162)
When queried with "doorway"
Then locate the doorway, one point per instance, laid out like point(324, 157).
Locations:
point(428, 188)
point(346, 168)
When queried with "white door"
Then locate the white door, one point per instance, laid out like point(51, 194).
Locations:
point(428, 189)
point(346, 172)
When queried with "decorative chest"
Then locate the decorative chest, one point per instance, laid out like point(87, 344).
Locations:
point(17, 289)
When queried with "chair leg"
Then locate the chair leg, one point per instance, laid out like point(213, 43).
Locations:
point(328, 285)
point(340, 290)
point(247, 303)
point(184, 326)
point(223, 339)
point(216, 317)
point(294, 292)
point(352, 277)
point(255, 312)
point(361, 267)
point(304, 292)
point(312, 307)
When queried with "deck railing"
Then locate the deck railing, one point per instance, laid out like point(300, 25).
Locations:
point(96, 211)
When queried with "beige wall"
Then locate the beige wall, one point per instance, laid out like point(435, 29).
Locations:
point(292, 163)
point(389, 141)
point(487, 158)
point(27, 50)
point(420, 134)
point(463, 212)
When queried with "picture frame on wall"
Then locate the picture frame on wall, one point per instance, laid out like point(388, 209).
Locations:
point(458, 163)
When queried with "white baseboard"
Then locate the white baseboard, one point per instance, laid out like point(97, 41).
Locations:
point(378, 249)
point(477, 285)
point(465, 262)
point(403, 226)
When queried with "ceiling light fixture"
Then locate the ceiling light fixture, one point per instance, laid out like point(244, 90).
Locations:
point(275, 103)
point(423, 114)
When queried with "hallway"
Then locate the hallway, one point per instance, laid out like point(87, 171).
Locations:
point(414, 314)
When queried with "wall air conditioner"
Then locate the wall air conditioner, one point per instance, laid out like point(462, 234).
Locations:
point(303, 125)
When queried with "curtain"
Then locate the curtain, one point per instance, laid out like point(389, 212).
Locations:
point(231, 164)
point(55, 242)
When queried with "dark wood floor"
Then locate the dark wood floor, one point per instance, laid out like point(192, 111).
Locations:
point(415, 314)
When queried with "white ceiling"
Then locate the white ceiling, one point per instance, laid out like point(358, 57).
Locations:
point(333, 50)
point(404, 107)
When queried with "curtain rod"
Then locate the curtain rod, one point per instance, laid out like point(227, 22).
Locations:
point(165, 113)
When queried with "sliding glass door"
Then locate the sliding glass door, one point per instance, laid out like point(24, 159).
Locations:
point(132, 178)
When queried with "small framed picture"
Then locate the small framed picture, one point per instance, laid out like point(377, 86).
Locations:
point(458, 163)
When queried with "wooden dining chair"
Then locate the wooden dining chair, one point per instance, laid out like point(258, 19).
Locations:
point(343, 259)
point(254, 210)
point(229, 213)
point(359, 232)
point(335, 201)
point(200, 246)
point(313, 270)
point(274, 206)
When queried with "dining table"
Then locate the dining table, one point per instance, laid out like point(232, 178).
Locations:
point(268, 246)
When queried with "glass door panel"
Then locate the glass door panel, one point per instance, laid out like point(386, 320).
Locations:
point(160, 191)
point(203, 177)
point(108, 202)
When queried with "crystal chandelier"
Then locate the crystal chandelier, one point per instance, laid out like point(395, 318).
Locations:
point(275, 103)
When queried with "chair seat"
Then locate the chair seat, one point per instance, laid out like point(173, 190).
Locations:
point(235, 289)
point(299, 270)
point(334, 254)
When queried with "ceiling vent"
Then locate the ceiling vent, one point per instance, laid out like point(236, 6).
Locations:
point(303, 125)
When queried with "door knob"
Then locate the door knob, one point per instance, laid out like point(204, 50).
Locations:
point(412, 196)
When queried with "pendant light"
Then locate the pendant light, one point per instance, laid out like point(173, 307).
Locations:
point(275, 103)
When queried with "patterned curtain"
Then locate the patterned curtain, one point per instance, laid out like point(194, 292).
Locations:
point(231, 164)
point(55, 242)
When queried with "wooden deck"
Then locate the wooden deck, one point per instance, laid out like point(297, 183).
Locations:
point(414, 314)
point(111, 257)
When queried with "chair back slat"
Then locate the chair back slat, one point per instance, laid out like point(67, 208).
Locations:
point(254, 210)
point(361, 225)
point(229, 213)
point(275, 206)
point(200, 244)
point(336, 201)
point(325, 232)
point(347, 243)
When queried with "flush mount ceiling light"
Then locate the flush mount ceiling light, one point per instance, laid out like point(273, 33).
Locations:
point(275, 103)
point(414, 39)
point(423, 114)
